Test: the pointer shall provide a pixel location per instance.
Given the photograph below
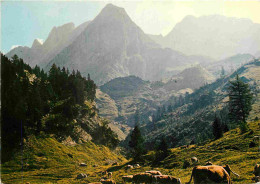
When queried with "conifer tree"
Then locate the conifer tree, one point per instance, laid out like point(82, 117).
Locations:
point(162, 149)
point(136, 143)
point(240, 102)
point(136, 139)
point(217, 128)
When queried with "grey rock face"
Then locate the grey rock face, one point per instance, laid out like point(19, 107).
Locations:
point(112, 46)
point(124, 95)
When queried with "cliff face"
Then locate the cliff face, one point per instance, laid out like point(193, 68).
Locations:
point(110, 46)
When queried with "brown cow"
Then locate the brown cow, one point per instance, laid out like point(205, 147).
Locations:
point(165, 179)
point(153, 172)
point(107, 181)
point(142, 178)
point(226, 167)
point(128, 178)
point(210, 174)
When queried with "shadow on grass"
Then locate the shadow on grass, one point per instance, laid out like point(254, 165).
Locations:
point(116, 168)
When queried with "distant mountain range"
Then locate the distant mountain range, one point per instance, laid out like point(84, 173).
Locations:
point(213, 36)
point(112, 46)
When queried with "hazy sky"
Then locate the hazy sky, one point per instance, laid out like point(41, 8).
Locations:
point(23, 21)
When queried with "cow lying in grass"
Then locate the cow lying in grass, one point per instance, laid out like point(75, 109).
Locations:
point(142, 178)
point(148, 178)
point(107, 181)
point(154, 172)
point(165, 179)
point(127, 179)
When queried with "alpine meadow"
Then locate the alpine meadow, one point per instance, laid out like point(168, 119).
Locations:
point(130, 92)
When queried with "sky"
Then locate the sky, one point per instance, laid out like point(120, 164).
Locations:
point(24, 21)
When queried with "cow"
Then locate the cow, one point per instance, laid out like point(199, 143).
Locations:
point(210, 174)
point(107, 181)
point(136, 166)
point(109, 174)
point(154, 172)
point(257, 170)
point(83, 164)
point(129, 167)
point(256, 173)
point(128, 178)
point(142, 178)
point(115, 163)
point(165, 179)
point(226, 167)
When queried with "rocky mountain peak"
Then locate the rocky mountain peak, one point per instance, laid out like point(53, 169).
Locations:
point(36, 44)
point(58, 33)
point(113, 10)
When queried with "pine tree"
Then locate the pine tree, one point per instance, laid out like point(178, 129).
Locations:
point(217, 128)
point(162, 149)
point(240, 102)
point(136, 143)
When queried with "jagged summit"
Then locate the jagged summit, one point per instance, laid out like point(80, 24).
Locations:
point(58, 33)
point(112, 8)
point(36, 44)
point(112, 13)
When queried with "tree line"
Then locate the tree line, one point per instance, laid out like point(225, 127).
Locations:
point(39, 103)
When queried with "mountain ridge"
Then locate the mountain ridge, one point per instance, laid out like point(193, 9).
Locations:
point(213, 36)
point(110, 46)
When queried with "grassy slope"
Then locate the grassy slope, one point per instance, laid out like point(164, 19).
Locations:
point(48, 161)
point(232, 149)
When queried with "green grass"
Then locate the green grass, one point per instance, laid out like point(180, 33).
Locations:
point(232, 149)
point(48, 161)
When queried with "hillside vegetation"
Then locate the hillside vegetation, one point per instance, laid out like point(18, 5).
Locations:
point(188, 118)
point(59, 104)
point(233, 149)
point(45, 160)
